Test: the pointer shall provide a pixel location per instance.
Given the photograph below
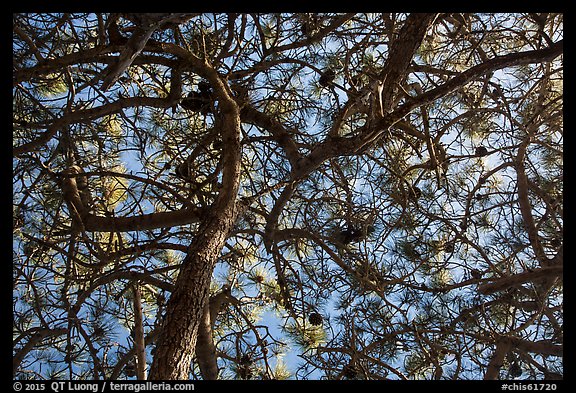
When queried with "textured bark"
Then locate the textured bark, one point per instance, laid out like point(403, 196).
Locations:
point(177, 340)
point(147, 24)
point(91, 222)
point(486, 67)
point(515, 280)
point(401, 54)
point(543, 347)
point(94, 223)
point(366, 136)
point(139, 344)
point(205, 348)
point(505, 344)
point(502, 348)
point(526, 206)
point(187, 304)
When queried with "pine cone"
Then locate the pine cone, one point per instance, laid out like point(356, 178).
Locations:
point(481, 151)
point(196, 102)
point(327, 77)
point(315, 319)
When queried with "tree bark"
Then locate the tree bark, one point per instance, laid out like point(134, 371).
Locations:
point(205, 348)
point(535, 276)
point(139, 335)
point(401, 53)
point(186, 305)
point(502, 348)
point(148, 24)
point(367, 136)
point(177, 340)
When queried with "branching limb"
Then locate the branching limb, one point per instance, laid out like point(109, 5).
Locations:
point(205, 348)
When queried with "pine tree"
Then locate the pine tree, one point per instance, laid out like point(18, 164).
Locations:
point(198, 196)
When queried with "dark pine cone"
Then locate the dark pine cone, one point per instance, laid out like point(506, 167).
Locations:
point(315, 319)
point(244, 369)
point(196, 102)
point(245, 360)
point(351, 235)
point(130, 369)
point(481, 151)
point(327, 77)
point(477, 274)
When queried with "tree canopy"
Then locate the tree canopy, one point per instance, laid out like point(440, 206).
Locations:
point(288, 196)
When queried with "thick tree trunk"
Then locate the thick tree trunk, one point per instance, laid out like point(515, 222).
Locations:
point(186, 306)
point(185, 311)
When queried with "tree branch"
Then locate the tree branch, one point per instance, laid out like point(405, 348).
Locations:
point(136, 44)
point(516, 280)
point(205, 348)
point(139, 334)
point(90, 114)
point(494, 64)
point(503, 346)
point(401, 53)
point(35, 339)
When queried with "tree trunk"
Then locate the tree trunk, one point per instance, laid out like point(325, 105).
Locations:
point(185, 309)
point(186, 306)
